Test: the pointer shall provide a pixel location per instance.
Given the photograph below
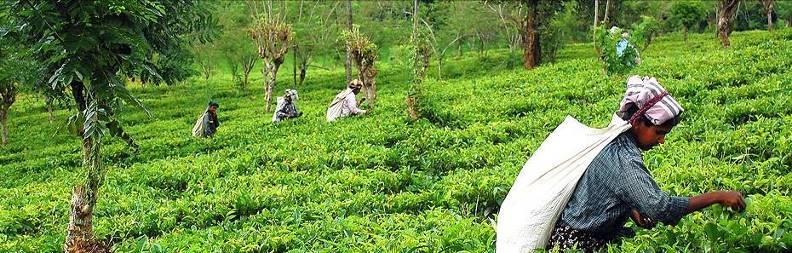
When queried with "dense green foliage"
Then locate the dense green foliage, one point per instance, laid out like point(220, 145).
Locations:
point(380, 183)
point(686, 14)
point(608, 41)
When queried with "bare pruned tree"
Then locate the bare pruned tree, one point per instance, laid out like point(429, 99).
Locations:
point(273, 38)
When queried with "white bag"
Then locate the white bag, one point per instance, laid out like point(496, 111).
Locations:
point(199, 129)
point(546, 182)
point(336, 108)
point(279, 107)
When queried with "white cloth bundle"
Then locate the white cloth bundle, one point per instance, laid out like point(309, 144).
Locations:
point(546, 182)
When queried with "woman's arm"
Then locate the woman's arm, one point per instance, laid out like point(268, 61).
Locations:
point(725, 198)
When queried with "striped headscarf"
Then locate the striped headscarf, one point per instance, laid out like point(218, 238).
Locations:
point(355, 84)
point(292, 94)
point(651, 99)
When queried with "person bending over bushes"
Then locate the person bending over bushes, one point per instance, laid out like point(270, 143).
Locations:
point(287, 107)
point(617, 185)
point(344, 103)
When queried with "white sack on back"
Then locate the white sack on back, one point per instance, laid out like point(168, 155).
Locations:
point(336, 108)
point(199, 129)
point(546, 182)
point(278, 107)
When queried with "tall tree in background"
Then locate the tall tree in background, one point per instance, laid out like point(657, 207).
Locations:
point(313, 32)
point(413, 95)
point(530, 36)
point(769, 6)
point(240, 54)
point(506, 14)
point(348, 62)
point(727, 9)
point(462, 22)
point(687, 14)
point(606, 14)
point(596, 23)
point(88, 49)
point(272, 37)
point(16, 68)
point(529, 17)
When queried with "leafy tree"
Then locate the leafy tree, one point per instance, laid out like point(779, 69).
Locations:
point(313, 35)
point(463, 21)
point(205, 59)
point(239, 54)
point(769, 7)
point(529, 17)
point(645, 31)
point(614, 62)
point(421, 47)
point(688, 14)
point(558, 30)
point(16, 69)
point(88, 49)
point(783, 10)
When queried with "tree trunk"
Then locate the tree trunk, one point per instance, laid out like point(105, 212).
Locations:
point(596, 13)
point(79, 235)
point(79, 95)
point(440, 66)
point(726, 11)
point(459, 48)
point(596, 23)
point(270, 78)
point(769, 8)
point(348, 62)
point(686, 33)
point(302, 71)
point(411, 108)
point(247, 67)
point(7, 98)
point(48, 101)
point(481, 45)
point(412, 95)
point(294, 65)
point(606, 15)
point(530, 36)
point(371, 86)
point(3, 126)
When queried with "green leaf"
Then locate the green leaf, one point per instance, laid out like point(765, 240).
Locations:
point(711, 230)
point(779, 233)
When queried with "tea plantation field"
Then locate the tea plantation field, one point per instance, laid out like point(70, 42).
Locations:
point(380, 183)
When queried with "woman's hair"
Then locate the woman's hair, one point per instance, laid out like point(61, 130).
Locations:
point(633, 109)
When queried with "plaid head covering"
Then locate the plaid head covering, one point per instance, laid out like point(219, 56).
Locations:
point(651, 99)
point(291, 94)
point(355, 84)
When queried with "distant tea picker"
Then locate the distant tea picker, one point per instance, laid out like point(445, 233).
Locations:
point(287, 107)
point(582, 184)
point(207, 124)
point(344, 104)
